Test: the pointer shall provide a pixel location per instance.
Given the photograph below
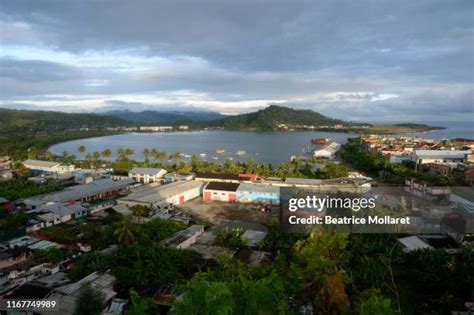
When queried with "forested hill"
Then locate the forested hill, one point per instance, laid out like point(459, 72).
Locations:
point(166, 118)
point(273, 116)
point(54, 121)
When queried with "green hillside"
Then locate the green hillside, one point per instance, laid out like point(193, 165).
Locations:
point(273, 116)
point(168, 118)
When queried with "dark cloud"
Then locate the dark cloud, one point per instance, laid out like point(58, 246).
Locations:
point(375, 57)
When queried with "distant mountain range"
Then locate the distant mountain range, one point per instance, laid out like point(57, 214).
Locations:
point(270, 118)
point(163, 118)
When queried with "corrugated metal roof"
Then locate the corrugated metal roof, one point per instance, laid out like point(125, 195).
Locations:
point(153, 193)
point(41, 163)
point(148, 171)
point(80, 191)
point(452, 154)
point(259, 188)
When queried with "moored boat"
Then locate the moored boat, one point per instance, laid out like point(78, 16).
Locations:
point(220, 151)
point(240, 152)
point(320, 141)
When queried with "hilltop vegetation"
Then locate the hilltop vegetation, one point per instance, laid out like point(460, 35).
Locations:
point(168, 118)
point(54, 121)
point(271, 117)
point(21, 130)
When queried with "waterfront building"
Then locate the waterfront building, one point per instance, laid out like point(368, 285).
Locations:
point(258, 193)
point(45, 167)
point(220, 191)
point(146, 175)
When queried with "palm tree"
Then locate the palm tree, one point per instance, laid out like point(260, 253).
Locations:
point(124, 231)
point(129, 152)
point(176, 157)
point(162, 155)
point(146, 154)
point(49, 156)
point(106, 153)
point(155, 154)
point(82, 149)
point(121, 154)
point(138, 212)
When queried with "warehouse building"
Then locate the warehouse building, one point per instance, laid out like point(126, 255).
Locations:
point(258, 193)
point(155, 195)
point(146, 175)
point(217, 177)
point(95, 190)
point(220, 191)
point(439, 156)
point(45, 167)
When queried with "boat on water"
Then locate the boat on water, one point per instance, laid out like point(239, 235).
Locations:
point(320, 141)
point(187, 156)
point(240, 152)
point(215, 157)
point(220, 151)
point(202, 154)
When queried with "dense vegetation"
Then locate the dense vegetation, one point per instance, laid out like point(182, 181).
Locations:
point(272, 116)
point(420, 127)
point(19, 188)
point(165, 118)
point(332, 273)
point(21, 130)
point(139, 259)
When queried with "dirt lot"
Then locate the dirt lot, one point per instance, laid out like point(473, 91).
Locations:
point(217, 212)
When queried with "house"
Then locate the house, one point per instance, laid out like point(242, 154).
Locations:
point(217, 177)
point(54, 213)
point(429, 241)
point(220, 191)
point(156, 195)
point(185, 238)
point(13, 256)
point(67, 295)
point(146, 175)
point(258, 193)
point(439, 156)
point(45, 167)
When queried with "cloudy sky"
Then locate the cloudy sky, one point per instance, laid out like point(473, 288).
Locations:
point(359, 60)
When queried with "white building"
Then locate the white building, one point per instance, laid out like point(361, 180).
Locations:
point(42, 167)
point(156, 128)
point(146, 175)
point(155, 195)
point(439, 156)
point(185, 238)
point(328, 152)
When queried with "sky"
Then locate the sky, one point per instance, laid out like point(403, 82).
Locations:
point(356, 60)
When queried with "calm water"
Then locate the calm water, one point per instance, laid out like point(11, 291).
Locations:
point(270, 147)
